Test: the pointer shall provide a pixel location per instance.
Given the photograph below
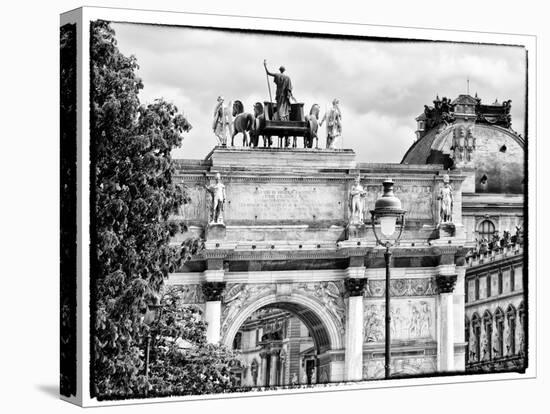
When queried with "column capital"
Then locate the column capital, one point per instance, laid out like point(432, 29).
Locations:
point(446, 283)
point(275, 352)
point(355, 286)
point(213, 290)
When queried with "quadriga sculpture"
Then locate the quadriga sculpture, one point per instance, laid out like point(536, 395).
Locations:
point(242, 123)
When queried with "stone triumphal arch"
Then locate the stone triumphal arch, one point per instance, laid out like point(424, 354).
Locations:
point(291, 274)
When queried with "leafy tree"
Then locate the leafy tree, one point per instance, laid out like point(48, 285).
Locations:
point(68, 211)
point(132, 197)
point(188, 365)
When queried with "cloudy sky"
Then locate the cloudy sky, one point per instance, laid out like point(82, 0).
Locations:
point(382, 86)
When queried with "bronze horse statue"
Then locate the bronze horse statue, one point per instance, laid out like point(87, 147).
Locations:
point(242, 123)
point(259, 126)
point(313, 126)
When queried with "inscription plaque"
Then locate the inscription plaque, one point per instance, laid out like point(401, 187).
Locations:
point(295, 201)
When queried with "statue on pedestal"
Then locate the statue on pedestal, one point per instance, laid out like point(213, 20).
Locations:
point(445, 198)
point(218, 200)
point(357, 202)
point(222, 122)
point(334, 123)
point(283, 93)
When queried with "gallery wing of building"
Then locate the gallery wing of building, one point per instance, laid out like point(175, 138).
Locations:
point(292, 275)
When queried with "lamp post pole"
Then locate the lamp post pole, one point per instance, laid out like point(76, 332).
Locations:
point(387, 360)
point(387, 210)
point(147, 348)
point(152, 315)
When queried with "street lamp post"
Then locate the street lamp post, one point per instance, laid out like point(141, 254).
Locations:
point(387, 210)
point(151, 315)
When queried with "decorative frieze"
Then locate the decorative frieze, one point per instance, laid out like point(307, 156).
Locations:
point(401, 287)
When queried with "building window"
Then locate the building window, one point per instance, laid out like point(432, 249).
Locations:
point(499, 282)
point(486, 230)
point(488, 281)
point(476, 345)
point(499, 323)
point(511, 338)
point(487, 343)
point(512, 279)
point(237, 341)
point(467, 338)
point(521, 317)
point(476, 288)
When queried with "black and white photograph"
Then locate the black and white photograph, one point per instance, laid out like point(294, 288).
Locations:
point(260, 209)
point(280, 210)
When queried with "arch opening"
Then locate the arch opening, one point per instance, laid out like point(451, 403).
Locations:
point(281, 341)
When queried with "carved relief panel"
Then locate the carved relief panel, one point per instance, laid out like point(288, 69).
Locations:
point(411, 319)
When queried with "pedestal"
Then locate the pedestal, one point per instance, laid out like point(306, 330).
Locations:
point(356, 231)
point(446, 230)
point(215, 231)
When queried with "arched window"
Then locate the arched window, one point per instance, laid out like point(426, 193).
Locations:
point(511, 338)
point(237, 341)
point(521, 317)
point(486, 230)
point(488, 328)
point(254, 372)
point(499, 324)
point(467, 338)
point(475, 352)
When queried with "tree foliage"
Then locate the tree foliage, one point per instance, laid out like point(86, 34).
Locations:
point(133, 197)
point(188, 365)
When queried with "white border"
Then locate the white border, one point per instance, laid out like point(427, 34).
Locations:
point(88, 14)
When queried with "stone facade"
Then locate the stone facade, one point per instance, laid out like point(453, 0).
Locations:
point(479, 141)
point(286, 246)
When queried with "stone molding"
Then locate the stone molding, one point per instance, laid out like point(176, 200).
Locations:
point(212, 291)
point(446, 283)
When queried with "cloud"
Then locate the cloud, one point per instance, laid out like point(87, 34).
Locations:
point(382, 85)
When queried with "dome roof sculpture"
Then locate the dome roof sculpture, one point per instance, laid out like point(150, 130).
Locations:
point(466, 134)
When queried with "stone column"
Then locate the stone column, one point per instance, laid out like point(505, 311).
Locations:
point(353, 362)
point(212, 292)
point(273, 371)
point(263, 369)
point(445, 285)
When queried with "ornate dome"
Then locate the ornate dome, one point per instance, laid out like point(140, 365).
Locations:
point(468, 135)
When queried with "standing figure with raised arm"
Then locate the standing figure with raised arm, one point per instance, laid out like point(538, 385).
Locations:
point(283, 94)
